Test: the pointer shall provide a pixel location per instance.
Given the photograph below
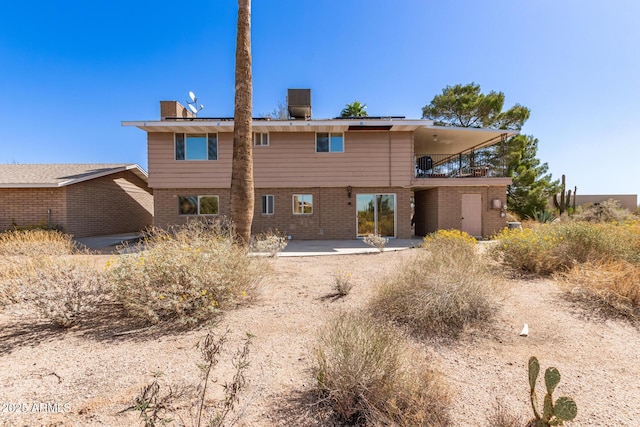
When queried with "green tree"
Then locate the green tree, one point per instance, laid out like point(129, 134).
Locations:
point(532, 184)
point(467, 106)
point(242, 190)
point(355, 109)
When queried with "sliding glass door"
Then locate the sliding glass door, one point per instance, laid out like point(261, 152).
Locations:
point(376, 214)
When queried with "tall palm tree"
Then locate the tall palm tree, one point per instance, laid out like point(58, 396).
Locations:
point(355, 109)
point(242, 192)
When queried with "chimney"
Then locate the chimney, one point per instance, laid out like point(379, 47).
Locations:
point(173, 109)
point(299, 103)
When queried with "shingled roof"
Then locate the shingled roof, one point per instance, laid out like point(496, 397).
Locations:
point(59, 175)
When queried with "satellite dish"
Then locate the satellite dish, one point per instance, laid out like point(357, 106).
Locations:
point(193, 105)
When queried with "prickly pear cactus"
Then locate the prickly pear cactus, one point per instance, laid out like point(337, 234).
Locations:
point(553, 414)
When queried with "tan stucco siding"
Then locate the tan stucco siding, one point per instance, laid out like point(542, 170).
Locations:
point(166, 172)
point(369, 158)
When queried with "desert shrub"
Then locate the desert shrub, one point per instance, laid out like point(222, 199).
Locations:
point(542, 217)
point(376, 241)
point(342, 283)
point(369, 376)
point(188, 273)
point(271, 243)
point(557, 247)
point(439, 291)
point(502, 416)
point(607, 211)
point(62, 289)
point(450, 240)
point(158, 405)
point(611, 288)
point(36, 242)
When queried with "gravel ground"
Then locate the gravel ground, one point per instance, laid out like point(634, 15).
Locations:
point(89, 374)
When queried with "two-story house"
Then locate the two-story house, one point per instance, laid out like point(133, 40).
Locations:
point(334, 178)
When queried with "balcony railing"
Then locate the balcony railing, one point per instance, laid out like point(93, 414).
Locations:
point(487, 162)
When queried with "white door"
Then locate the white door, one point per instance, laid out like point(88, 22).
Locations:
point(472, 214)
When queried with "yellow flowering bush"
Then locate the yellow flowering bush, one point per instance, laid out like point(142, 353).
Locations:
point(556, 247)
point(190, 273)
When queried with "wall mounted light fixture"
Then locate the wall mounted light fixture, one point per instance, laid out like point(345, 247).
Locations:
point(349, 193)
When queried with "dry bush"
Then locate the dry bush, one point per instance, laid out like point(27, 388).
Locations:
point(271, 243)
point(36, 243)
point(612, 288)
point(376, 241)
point(61, 289)
point(502, 416)
point(342, 283)
point(607, 211)
point(556, 247)
point(188, 273)
point(440, 291)
point(370, 376)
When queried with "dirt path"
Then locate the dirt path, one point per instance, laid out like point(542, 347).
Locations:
point(93, 375)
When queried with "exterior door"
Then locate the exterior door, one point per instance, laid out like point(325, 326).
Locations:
point(472, 214)
point(376, 214)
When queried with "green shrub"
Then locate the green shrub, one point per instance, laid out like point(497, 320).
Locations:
point(369, 376)
point(36, 242)
point(440, 291)
point(188, 273)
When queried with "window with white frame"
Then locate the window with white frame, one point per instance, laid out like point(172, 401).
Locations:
point(302, 204)
point(260, 139)
point(329, 142)
point(267, 204)
point(196, 146)
point(198, 205)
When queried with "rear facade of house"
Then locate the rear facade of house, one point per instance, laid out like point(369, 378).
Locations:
point(331, 179)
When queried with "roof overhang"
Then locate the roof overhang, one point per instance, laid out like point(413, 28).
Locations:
point(198, 125)
point(449, 139)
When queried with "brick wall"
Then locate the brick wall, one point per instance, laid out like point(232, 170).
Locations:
point(441, 208)
point(29, 206)
point(113, 204)
point(332, 218)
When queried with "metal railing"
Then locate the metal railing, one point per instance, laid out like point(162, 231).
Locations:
point(487, 162)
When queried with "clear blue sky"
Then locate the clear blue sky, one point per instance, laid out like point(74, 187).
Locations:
point(71, 71)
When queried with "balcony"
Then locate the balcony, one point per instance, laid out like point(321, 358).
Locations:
point(489, 162)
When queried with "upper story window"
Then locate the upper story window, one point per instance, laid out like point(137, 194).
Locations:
point(260, 139)
point(196, 146)
point(329, 142)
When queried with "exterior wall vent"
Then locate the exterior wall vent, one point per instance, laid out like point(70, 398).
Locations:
point(299, 103)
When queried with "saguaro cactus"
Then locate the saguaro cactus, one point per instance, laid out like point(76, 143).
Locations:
point(565, 198)
point(553, 414)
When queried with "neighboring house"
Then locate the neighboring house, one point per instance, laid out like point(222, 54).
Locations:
point(331, 179)
point(82, 199)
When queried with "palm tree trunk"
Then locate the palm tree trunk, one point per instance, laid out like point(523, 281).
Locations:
point(242, 193)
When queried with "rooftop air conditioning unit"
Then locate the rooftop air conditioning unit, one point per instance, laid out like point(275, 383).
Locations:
point(299, 103)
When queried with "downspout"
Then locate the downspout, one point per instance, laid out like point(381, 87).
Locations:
point(389, 136)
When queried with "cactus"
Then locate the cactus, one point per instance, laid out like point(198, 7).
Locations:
point(553, 414)
point(565, 198)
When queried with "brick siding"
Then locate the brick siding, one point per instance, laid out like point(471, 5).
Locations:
point(117, 203)
point(333, 217)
